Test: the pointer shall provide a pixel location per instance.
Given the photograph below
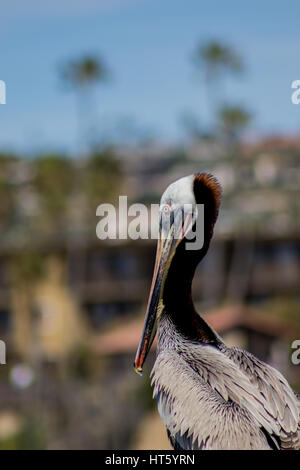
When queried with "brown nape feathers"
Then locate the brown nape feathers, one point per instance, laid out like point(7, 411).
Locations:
point(208, 191)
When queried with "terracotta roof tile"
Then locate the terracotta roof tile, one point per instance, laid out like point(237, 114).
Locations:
point(125, 338)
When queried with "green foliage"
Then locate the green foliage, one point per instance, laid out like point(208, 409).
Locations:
point(54, 181)
point(85, 70)
point(83, 363)
point(28, 265)
point(217, 58)
point(41, 198)
point(101, 177)
point(287, 308)
point(233, 120)
point(7, 190)
point(30, 437)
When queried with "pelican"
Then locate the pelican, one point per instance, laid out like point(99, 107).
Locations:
point(209, 395)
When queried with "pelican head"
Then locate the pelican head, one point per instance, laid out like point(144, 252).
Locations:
point(178, 216)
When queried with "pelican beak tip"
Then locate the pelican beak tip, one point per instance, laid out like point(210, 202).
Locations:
point(138, 369)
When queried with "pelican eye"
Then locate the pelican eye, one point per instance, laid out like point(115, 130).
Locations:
point(166, 209)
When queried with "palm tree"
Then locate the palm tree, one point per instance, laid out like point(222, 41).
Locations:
point(217, 60)
point(81, 75)
point(233, 120)
point(54, 182)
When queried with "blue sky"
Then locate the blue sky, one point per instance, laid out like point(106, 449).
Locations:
point(147, 45)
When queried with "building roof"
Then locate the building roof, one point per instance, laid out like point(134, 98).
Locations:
point(125, 337)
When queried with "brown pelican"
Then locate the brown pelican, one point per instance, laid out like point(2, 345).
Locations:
point(210, 396)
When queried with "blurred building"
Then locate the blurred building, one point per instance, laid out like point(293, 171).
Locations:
point(89, 285)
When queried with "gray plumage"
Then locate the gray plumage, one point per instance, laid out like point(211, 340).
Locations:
point(221, 398)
